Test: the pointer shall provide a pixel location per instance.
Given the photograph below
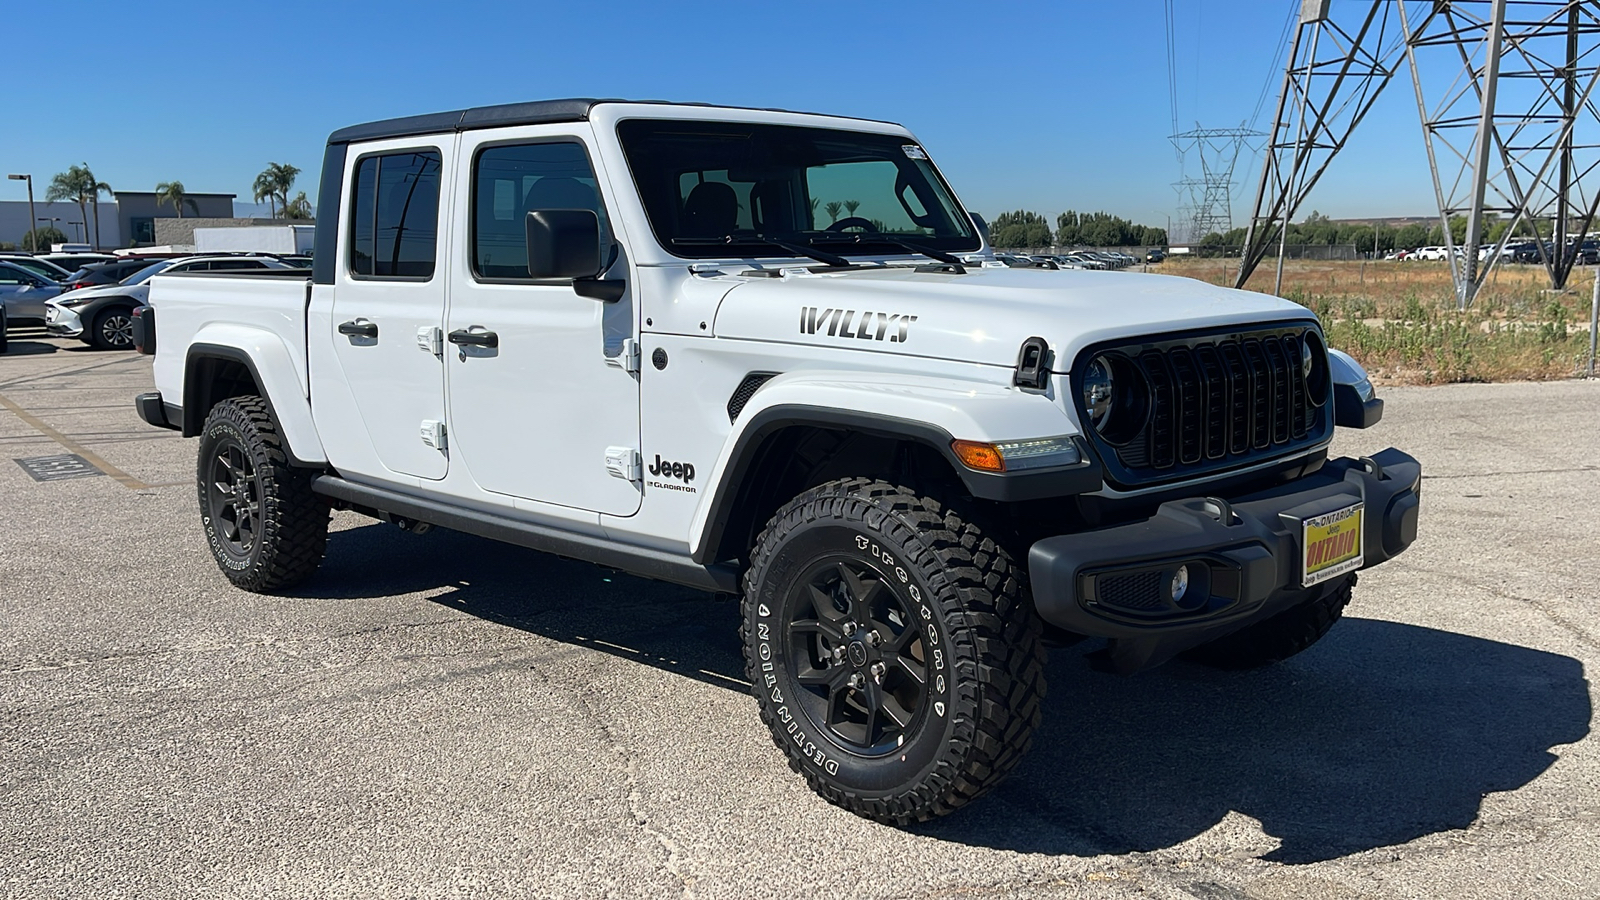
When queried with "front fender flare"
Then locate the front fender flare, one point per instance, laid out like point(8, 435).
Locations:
point(929, 411)
point(273, 370)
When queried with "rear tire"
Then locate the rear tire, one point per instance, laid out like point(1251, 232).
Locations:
point(265, 528)
point(112, 329)
point(1280, 637)
point(2, 327)
point(892, 649)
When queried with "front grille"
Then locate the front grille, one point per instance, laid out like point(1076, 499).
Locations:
point(1214, 402)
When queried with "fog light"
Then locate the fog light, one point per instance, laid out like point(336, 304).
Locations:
point(1179, 585)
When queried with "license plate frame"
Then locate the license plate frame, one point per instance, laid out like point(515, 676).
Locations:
point(1332, 544)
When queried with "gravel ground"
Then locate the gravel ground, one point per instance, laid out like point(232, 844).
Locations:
point(440, 715)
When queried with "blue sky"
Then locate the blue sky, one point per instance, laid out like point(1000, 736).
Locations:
point(1037, 106)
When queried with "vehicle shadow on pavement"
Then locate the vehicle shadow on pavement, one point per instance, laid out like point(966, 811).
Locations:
point(1380, 734)
point(28, 348)
point(685, 631)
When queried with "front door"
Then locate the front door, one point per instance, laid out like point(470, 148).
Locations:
point(535, 409)
point(389, 304)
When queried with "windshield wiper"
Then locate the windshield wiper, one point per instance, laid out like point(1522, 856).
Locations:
point(821, 256)
point(870, 237)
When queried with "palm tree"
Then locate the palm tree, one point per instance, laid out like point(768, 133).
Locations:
point(273, 183)
point(266, 188)
point(833, 209)
point(851, 206)
point(77, 185)
point(298, 208)
point(172, 192)
point(97, 188)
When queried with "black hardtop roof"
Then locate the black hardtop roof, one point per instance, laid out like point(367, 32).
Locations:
point(536, 112)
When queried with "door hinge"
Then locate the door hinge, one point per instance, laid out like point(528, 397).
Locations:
point(627, 359)
point(433, 433)
point(625, 463)
point(431, 339)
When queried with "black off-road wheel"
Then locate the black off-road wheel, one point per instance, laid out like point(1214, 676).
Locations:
point(2, 328)
point(113, 329)
point(1282, 636)
point(892, 648)
point(266, 529)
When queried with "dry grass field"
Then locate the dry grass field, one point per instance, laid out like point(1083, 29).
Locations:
point(1400, 318)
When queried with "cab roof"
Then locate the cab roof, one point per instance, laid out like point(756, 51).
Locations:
point(535, 112)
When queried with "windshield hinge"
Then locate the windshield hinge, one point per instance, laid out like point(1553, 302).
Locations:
point(627, 359)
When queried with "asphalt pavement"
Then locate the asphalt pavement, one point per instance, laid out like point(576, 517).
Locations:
point(443, 716)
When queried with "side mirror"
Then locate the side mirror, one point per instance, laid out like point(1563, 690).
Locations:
point(981, 225)
point(563, 243)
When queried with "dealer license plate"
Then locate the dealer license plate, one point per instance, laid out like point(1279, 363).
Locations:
point(1331, 544)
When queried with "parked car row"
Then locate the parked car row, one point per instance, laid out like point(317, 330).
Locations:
point(1078, 259)
point(1585, 253)
point(95, 302)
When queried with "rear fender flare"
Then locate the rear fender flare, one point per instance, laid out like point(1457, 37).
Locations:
point(273, 369)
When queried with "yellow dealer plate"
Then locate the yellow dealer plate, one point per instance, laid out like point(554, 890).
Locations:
point(1331, 544)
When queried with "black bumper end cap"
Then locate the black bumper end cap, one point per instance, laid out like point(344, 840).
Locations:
point(1350, 411)
point(154, 412)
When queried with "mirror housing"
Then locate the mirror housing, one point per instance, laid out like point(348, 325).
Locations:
point(981, 225)
point(563, 243)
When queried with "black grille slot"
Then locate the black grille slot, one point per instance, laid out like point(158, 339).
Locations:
point(1161, 410)
point(746, 389)
point(1186, 384)
point(1214, 385)
point(1140, 592)
point(1216, 402)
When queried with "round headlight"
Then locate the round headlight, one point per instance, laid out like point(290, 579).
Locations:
point(1097, 385)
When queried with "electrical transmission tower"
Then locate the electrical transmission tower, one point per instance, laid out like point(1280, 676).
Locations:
point(1210, 197)
point(1516, 131)
point(1514, 134)
point(1332, 78)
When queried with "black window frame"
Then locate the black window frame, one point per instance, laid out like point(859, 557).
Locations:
point(350, 237)
point(607, 234)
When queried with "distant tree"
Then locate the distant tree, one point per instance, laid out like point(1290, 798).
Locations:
point(850, 206)
point(298, 208)
point(43, 238)
point(266, 189)
point(833, 209)
point(274, 183)
point(1410, 237)
point(172, 192)
point(78, 185)
point(1020, 228)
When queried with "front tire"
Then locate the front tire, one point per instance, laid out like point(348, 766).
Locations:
point(892, 650)
point(265, 528)
point(112, 329)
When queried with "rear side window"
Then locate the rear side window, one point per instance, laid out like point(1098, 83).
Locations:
point(510, 181)
point(394, 226)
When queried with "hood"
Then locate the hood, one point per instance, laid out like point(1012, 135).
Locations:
point(984, 315)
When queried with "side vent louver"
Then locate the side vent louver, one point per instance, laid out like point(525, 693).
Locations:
point(746, 389)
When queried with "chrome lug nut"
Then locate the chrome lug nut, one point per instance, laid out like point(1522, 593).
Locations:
point(858, 681)
point(878, 669)
point(849, 628)
point(874, 638)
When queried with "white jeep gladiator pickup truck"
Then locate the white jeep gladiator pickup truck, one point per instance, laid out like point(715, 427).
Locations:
point(642, 334)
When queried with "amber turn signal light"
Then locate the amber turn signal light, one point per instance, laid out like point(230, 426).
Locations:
point(980, 456)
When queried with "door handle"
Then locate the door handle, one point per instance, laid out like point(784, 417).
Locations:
point(359, 328)
point(474, 338)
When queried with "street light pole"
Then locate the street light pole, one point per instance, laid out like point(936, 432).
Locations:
point(29, 180)
point(77, 230)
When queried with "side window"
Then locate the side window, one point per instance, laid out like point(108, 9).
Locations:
point(510, 181)
point(394, 227)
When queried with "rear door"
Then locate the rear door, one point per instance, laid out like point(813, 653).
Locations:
point(536, 415)
point(389, 302)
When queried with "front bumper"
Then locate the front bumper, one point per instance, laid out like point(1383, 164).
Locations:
point(62, 322)
point(1244, 555)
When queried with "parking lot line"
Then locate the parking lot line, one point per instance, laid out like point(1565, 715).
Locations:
point(72, 446)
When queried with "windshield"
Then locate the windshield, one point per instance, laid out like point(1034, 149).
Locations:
point(145, 273)
point(721, 189)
